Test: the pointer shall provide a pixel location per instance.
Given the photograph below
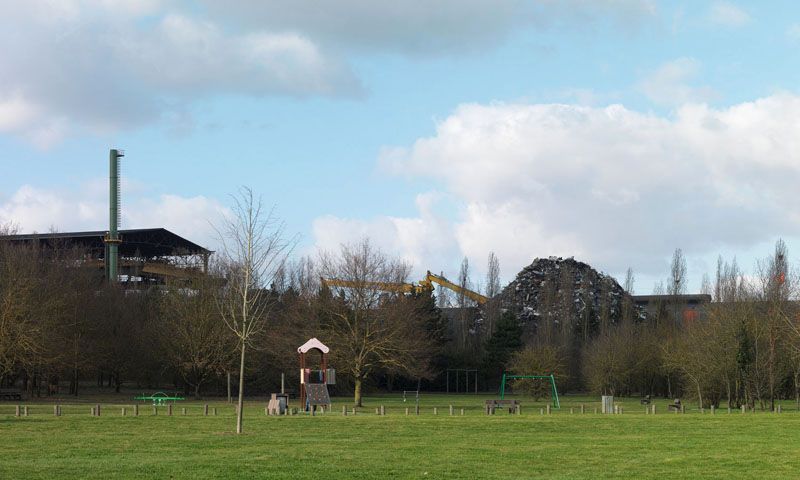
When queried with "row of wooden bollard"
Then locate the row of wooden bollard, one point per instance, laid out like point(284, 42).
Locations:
point(95, 410)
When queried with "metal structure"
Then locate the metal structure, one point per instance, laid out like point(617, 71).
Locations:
point(424, 285)
point(159, 398)
point(553, 389)
point(457, 372)
point(112, 238)
point(148, 256)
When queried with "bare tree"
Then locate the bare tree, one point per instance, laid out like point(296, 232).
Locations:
point(492, 309)
point(369, 328)
point(254, 246)
point(629, 281)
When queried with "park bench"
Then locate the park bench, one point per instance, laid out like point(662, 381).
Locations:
point(158, 398)
point(511, 404)
point(645, 400)
point(675, 406)
point(10, 394)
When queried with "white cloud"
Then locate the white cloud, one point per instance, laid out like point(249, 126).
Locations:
point(793, 32)
point(728, 14)
point(103, 65)
point(35, 209)
point(421, 27)
point(612, 186)
point(668, 85)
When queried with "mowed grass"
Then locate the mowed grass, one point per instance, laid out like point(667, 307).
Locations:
point(531, 445)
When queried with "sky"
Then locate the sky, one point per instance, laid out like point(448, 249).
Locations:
point(614, 131)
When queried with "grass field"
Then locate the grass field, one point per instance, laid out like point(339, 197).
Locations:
point(562, 445)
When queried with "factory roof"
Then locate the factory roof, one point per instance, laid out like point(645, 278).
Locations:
point(141, 242)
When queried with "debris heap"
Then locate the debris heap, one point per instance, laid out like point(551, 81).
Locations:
point(566, 295)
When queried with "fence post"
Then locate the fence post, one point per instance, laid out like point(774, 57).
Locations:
point(377, 410)
point(383, 410)
point(583, 409)
point(435, 411)
point(654, 409)
point(548, 409)
point(713, 409)
point(519, 409)
point(123, 411)
point(744, 408)
point(16, 411)
point(462, 412)
point(683, 408)
point(779, 409)
point(571, 410)
point(183, 410)
point(55, 410)
point(136, 410)
point(155, 410)
point(344, 410)
point(406, 411)
point(169, 409)
point(91, 410)
point(541, 411)
point(205, 410)
point(214, 411)
point(451, 410)
point(595, 410)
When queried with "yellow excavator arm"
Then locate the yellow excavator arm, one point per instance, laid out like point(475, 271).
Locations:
point(426, 284)
point(431, 278)
point(384, 286)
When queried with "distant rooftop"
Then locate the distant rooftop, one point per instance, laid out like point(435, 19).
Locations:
point(141, 243)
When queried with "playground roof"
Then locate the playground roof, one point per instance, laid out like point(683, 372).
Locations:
point(313, 344)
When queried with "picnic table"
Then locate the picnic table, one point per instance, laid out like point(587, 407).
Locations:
point(159, 398)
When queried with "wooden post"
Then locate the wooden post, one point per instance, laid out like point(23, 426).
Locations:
point(55, 410)
point(451, 410)
point(435, 411)
point(462, 412)
point(123, 411)
point(136, 410)
point(654, 409)
point(214, 411)
point(519, 409)
point(571, 410)
point(97, 409)
point(155, 410)
point(416, 409)
point(620, 410)
point(595, 410)
point(183, 411)
point(16, 411)
point(548, 409)
point(683, 408)
point(583, 409)
point(205, 410)
point(169, 410)
point(729, 409)
point(406, 411)
point(646, 410)
point(354, 411)
point(744, 408)
point(713, 408)
point(541, 411)
point(344, 410)
point(383, 410)
point(283, 390)
point(377, 411)
point(779, 408)
point(92, 411)
point(25, 411)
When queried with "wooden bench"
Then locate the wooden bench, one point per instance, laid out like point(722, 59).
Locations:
point(645, 400)
point(675, 406)
point(10, 394)
point(491, 405)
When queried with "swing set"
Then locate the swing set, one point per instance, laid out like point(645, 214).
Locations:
point(553, 390)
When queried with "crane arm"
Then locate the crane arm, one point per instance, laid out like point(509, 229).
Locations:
point(384, 286)
point(431, 278)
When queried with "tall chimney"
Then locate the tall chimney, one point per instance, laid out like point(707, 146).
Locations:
point(112, 238)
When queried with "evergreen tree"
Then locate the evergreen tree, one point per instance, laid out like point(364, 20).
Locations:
point(506, 340)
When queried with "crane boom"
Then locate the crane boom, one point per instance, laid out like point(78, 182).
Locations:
point(384, 286)
point(431, 278)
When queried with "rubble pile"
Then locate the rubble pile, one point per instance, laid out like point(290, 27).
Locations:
point(558, 290)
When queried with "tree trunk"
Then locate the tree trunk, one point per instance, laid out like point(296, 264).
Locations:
point(197, 391)
point(357, 394)
point(239, 410)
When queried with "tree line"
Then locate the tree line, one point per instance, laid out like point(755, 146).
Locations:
point(62, 324)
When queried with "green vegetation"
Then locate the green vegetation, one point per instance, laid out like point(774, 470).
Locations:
point(561, 445)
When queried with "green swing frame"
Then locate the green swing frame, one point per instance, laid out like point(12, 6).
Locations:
point(553, 389)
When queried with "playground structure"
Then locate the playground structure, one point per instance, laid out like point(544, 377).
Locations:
point(457, 372)
point(159, 398)
point(551, 377)
point(314, 383)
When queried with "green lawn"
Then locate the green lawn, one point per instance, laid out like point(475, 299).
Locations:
point(561, 445)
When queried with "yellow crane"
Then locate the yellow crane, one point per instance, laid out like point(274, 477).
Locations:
point(426, 284)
